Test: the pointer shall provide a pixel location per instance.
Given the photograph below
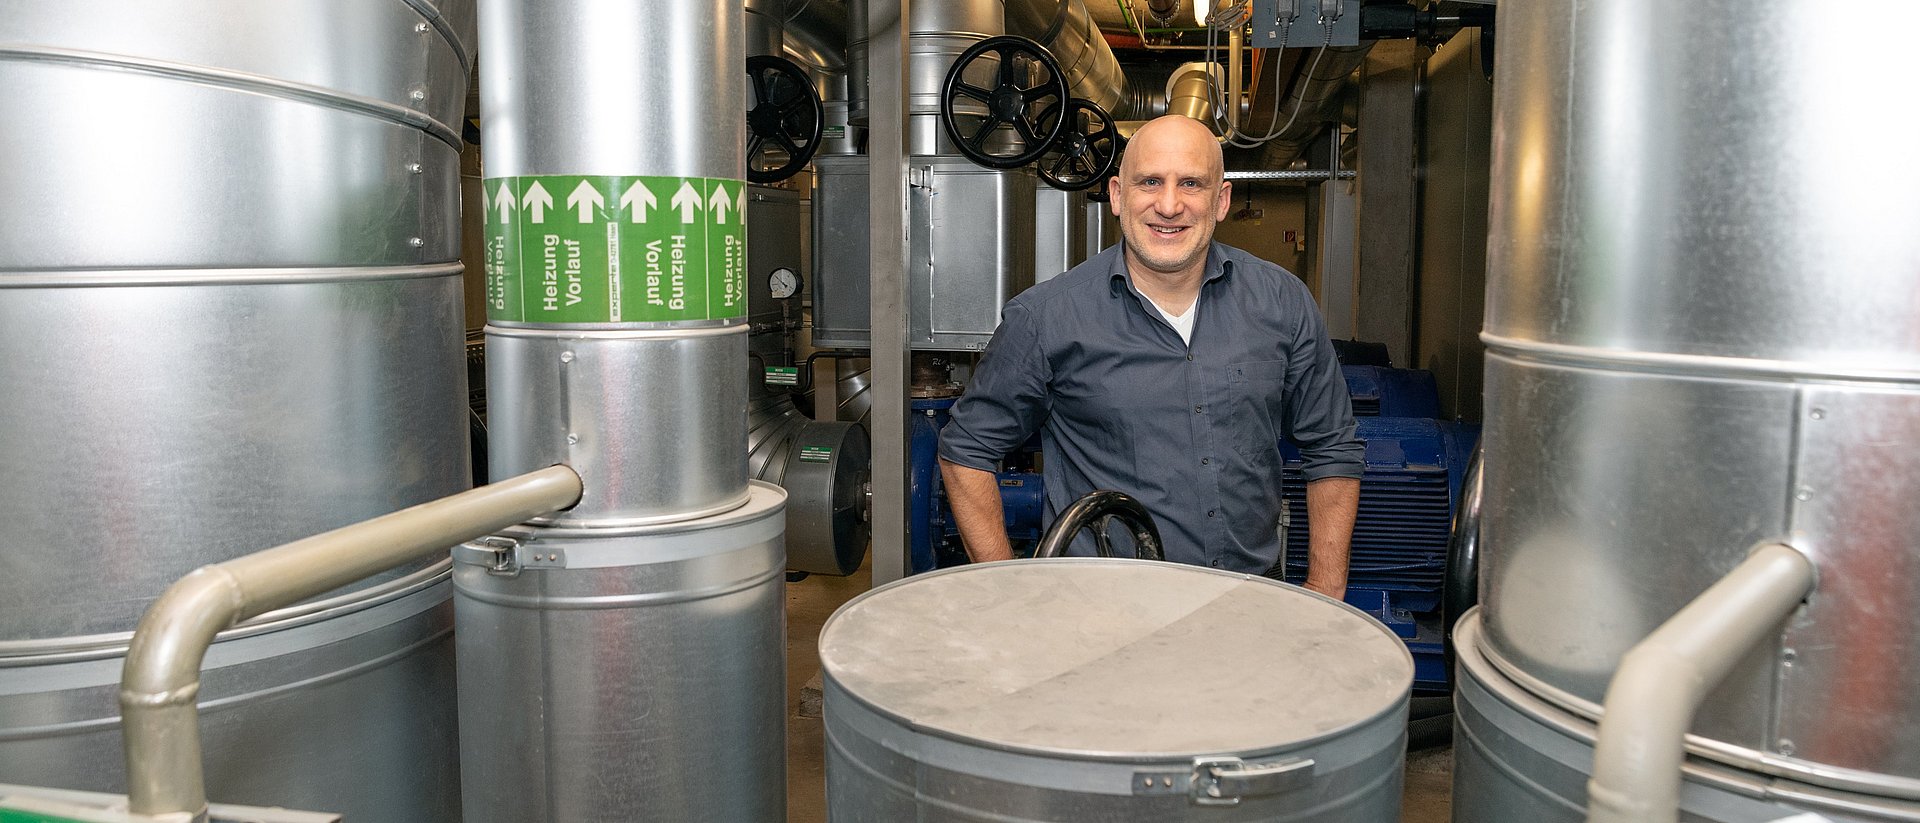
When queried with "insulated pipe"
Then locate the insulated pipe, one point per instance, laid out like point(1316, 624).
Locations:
point(1312, 100)
point(1236, 44)
point(765, 27)
point(1661, 682)
point(1190, 91)
point(617, 283)
point(1071, 35)
point(161, 680)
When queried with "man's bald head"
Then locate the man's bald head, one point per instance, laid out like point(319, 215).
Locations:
point(1175, 133)
point(1170, 193)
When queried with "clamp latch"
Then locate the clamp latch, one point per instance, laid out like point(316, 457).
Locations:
point(498, 553)
point(1223, 781)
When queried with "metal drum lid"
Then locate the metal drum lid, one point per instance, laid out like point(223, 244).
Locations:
point(1114, 659)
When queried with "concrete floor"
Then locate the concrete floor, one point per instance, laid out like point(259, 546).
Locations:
point(1429, 774)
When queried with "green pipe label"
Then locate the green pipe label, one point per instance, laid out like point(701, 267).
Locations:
point(816, 454)
point(783, 375)
point(568, 248)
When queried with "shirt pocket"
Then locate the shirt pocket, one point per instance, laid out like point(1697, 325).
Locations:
point(1255, 407)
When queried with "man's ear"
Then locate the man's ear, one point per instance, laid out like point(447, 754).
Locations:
point(1225, 202)
point(1113, 194)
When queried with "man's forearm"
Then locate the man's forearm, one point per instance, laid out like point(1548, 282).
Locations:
point(974, 496)
point(1332, 503)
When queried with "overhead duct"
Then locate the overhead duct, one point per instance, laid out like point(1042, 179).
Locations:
point(765, 27)
point(230, 318)
point(611, 655)
point(943, 30)
point(1311, 103)
point(1073, 37)
point(816, 35)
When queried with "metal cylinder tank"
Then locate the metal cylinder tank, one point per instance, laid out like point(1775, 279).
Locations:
point(602, 242)
point(1520, 757)
point(229, 318)
point(655, 416)
point(1078, 689)
point(1699, 340)
point(623, 674)
point(283, 700)
point(628, 655)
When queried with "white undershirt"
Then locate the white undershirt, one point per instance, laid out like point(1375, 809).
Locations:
point(1182, 323)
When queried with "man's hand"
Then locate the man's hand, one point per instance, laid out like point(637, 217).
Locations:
point(1332, 503)
point(974, 496)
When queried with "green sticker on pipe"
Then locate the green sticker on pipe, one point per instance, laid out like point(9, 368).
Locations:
point(565, 248)
point(816, 454)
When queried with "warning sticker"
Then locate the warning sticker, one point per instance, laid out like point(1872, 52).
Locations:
point(615, 249)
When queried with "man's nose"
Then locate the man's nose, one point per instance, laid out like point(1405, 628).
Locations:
point(1167, 203)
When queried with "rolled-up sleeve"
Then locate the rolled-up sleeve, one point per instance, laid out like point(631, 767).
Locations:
point(1319, 411)
point(1006, 401)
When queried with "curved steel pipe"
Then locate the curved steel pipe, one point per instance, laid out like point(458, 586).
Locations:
point(1106, 505)
point(1662, 681)
point(161, 679)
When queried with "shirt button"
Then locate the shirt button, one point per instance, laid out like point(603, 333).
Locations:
point(1209, 512)
point(1206, 461)
point(1196, 409)
point(1216, 564)
point(1189, 358)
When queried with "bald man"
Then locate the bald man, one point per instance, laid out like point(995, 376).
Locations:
point(1169, 367)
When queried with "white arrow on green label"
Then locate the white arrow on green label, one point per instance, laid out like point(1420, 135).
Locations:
point(637, 201)
point(687, 200)
point(536, 202)
point(719, 204)
point(505, 199)
point(584, 199)
point(607, 267)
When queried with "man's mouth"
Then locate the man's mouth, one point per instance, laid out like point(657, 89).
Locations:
point(1167, 231)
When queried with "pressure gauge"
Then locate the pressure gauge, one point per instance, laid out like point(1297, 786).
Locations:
point(783, 283)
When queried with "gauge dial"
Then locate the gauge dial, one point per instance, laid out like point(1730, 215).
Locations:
point(783, 283)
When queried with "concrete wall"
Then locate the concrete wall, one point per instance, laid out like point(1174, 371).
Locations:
point(1283, 209)
point(1451, 293)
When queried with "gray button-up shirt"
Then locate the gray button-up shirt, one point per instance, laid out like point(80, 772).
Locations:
point(1192, 430)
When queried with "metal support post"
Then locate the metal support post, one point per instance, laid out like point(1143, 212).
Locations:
point(887, 85)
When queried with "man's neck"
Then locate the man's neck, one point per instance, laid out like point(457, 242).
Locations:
point(1174, 293)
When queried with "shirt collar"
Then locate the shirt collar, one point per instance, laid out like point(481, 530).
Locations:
point(1120, 281)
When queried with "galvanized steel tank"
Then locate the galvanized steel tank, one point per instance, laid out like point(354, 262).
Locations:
point(229, 318)
point(1114, 690)
point(626, 676)
point(1525, 758)
point(625, 659)
point(334, 705)
point(1702, 336)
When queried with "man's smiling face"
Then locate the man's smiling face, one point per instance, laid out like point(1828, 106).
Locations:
point(1170, 193)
